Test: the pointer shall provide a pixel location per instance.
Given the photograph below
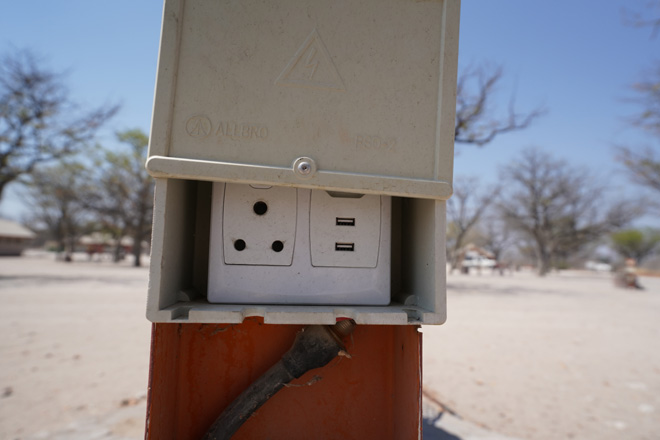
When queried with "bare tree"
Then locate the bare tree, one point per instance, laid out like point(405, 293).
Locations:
point(477, 122)
point(38, 121)
point(476, 119)
point(464, 209)
point(141, 200)
point(106, 198)
point(647, 92)
point(558, 207)
point(123, 194)
point(54, 196)
point(496, 236)
point(643, 168)
point(643, 164)
point(645, 19)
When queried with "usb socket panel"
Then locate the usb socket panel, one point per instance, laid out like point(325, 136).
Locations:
point(345, 221)
point(345, 230)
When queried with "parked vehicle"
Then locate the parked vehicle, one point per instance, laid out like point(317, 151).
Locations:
point(476, 260)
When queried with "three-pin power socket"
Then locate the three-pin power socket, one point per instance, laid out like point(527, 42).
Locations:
point(259, 225)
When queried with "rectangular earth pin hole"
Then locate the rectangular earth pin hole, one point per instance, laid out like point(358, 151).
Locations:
point(345, 247)
point(345, 221)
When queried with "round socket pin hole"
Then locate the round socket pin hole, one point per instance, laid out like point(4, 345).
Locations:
point(277, 246)
point(239, 245)
point(260, 208)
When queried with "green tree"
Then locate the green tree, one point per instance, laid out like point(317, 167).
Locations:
point(636, 243)
point(38, 121)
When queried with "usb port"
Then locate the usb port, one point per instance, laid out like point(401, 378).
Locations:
point(345, 221)
point(345, 247)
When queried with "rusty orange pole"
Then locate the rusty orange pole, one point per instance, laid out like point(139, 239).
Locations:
point(196, 370)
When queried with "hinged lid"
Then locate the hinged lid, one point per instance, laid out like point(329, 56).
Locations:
point(365, 90)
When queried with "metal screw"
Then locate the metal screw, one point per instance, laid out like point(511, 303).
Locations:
point(304, 168)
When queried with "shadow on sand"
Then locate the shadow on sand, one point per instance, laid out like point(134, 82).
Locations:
point(432, 432)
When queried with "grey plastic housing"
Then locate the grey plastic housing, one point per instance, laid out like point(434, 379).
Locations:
point(178, 281)
point(343, 95)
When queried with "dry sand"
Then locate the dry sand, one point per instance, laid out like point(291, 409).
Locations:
point(75, 345)
point(568, 356)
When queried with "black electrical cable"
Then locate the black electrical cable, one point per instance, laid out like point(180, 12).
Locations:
point(314, 347)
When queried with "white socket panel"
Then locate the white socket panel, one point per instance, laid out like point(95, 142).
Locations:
point(277, 245)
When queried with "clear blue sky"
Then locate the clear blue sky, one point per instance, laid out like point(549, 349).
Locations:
point(577, 58)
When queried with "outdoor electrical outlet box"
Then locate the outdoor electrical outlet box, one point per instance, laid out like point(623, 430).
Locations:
point(303, 155)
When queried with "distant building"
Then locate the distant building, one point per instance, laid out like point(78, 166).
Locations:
point(14, 238)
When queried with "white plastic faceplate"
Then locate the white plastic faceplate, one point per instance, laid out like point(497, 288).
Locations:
point(337, 277)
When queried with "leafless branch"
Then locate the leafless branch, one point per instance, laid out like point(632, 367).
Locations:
point(476, 122)
point(650, 18)
point(643, 166)
point(38, 121)
point(464, 209)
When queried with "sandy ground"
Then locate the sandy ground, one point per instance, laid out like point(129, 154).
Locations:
point(568, 356)
point(75, 348)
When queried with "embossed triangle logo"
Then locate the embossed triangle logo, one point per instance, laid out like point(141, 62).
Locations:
point(312, 67)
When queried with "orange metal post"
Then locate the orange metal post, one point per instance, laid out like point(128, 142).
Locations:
point(198, 369)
